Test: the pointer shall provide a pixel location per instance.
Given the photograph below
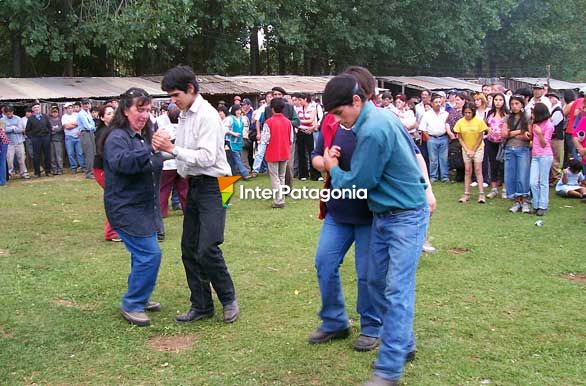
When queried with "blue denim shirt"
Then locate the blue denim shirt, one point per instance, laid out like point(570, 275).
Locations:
point(85, 121)
point(132, 179)
point(384, 163)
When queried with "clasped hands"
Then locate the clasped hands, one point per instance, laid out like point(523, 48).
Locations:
point(331, 157)
point(162, 141)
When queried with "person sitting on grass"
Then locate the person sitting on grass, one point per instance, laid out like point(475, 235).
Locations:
point(572, 182)
point(470, 129)
point(542, 158)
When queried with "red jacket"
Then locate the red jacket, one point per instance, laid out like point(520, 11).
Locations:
point(329, 127)
point(279, 146)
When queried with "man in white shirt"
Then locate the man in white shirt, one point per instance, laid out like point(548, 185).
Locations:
point(72, 141)
point(420, 107)
point(538, 97)
point(199, 152)
point(434, 124)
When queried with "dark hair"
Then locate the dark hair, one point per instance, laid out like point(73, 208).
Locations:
point(134, 96)
point(435, 96)
point(522, 117)
point(527, 93)
point(9, 109)
point(401, 97)
point(179, 78)
point(340, 91)
point(29, 109)
point(278, 104)
point(540, 113)
point(387, 95)
point(224, 109)
point(569, 96)
point(504, 110)
point(575, 165)
point(469, 106)
point(173, 115)
point(279, 89)
point(236, 108)
point(365, 79)
point(102, 126)
point(462, 95)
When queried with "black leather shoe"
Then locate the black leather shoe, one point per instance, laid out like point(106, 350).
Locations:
point(193, 315)
point(319, 336)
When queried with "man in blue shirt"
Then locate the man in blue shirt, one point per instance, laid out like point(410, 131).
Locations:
point(385, 164)
point(87, 128)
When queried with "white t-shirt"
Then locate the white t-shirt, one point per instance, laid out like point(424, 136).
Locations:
point(68, 119)
point(434, 124)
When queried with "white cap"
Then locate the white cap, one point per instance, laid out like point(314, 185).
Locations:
point(582, 89)
point(440, 93)
point(68, 104)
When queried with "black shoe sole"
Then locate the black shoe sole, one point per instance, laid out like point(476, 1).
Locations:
point(153, 309)
point(366, 348)
point(199, 317)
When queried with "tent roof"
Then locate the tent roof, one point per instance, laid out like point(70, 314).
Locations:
point(431, 82)
point(554, 83)
point(291, 83)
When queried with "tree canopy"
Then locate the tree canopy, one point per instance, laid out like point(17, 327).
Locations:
point(413, 37)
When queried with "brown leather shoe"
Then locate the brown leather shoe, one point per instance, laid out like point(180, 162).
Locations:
point(137, 318)
point(366, 343)
point(193, 315)
point(231, 312)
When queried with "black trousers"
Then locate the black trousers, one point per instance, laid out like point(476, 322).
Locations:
point(203, 232)
point(497, 172)
point(304, 148)
point(41, 145)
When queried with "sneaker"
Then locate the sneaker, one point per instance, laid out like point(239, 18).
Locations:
point(428, 248)
point(25, 176)
point(303, 179)
point(515, 208)
point(485, 185)
point(474, 184)
point(152, 306)
point(116, 240)
point(525, 208)
point(137, 318)
point(540, 212)
point(504, 195)
point(320, 178)
point(493, 193)
point(254, 174)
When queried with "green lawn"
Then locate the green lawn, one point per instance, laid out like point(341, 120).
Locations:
point(499, 313)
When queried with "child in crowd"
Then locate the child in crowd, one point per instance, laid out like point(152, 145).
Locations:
point(541, 158)
point(572, 182)
point(470, 129)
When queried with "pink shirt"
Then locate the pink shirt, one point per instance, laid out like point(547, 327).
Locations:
point(496, 127)
point(547, 129)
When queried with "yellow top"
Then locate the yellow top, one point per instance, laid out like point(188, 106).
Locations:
point(470, 130)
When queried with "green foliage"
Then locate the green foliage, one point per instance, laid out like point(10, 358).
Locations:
point(126, 37)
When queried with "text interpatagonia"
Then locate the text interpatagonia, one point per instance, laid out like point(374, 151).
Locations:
point(304, 193)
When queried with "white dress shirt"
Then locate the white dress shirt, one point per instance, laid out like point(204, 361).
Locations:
point(200, 142)
point(434, 123)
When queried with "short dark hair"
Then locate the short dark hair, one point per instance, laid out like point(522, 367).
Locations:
point(387, 95)
point(224, 110)
point(179, 78)
point(365, 79)
point(575, 165)
point(279, 89)
point(235, 108)
point(435, 96)
point(540, 113)
point(9, 109)
point(340, 90)
point(527, 93)
point(278, 105)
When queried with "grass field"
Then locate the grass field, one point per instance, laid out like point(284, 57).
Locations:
point(494, 305)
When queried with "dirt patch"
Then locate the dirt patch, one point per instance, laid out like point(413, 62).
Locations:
point(172, 343)
point(5, 334)
point(4, 252)
point(71, 304)
point(579, 278)
point(458, 250)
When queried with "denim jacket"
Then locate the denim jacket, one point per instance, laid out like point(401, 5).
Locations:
point(132, 180)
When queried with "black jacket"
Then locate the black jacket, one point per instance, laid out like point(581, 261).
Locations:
point(38, 127)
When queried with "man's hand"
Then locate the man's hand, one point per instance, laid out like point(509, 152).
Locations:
point(430, 200)
point(331, 157)
point(162, 141)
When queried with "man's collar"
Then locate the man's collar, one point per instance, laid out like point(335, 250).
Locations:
point(197, 102)
point(366, 108)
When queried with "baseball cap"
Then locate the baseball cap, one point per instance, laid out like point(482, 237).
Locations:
point(440, 93)
point(85, 101)
point(246, 101)
point(552, 94)
point(539, 84)
point(68, 104)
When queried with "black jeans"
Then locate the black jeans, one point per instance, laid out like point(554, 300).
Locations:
point(496, 167)
point(304, 149)
point(203, 232)
point(41, 144)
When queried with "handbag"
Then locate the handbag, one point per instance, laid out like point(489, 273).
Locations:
point(500, 154)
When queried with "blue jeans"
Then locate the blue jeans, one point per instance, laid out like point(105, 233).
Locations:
point(237, 162)
point(145, 259)
point(259, 157)
point(396, 243)
point(517, 167)
point(437, 149)
point(539, 181)
point(334, 241)
point(3, 165)
point(74, 152)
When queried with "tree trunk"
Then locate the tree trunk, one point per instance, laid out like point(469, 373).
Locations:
point(254, 52)
point(16, 55)
point(282, 58)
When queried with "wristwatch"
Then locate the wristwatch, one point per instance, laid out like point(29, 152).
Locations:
point(175, 152)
